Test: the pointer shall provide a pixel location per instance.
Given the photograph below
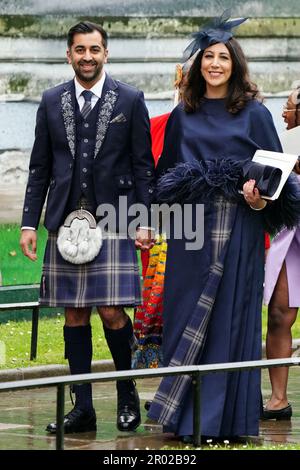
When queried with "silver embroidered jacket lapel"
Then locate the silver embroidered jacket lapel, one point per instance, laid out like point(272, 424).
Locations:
point(69, 119)
point(105, 112)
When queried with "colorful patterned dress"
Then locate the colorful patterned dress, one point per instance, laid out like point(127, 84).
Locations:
point(148, 317)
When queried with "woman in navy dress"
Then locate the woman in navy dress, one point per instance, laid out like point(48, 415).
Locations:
point(213, 295)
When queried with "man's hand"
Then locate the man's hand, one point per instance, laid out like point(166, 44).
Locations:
point(144, 239)
point(28, 242)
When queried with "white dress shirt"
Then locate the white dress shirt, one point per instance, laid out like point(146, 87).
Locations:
point(96, 90)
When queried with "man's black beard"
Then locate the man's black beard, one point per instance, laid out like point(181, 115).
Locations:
point(92, 78)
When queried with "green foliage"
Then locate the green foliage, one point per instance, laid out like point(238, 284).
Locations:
point(14, 24)
point(14, 266)
point(164, 24)
point(18, 83)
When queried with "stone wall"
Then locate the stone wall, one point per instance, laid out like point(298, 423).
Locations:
point(152, 8)
point(142, 51)
point(57, 26)
point(14, 168)
point(146, 40)
point(13, 177)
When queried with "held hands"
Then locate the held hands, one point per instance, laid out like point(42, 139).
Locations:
point(28, 242)
point(252, 196)
point(144, 239)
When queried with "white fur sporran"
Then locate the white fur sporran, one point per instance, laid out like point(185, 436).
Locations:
point(79, 238)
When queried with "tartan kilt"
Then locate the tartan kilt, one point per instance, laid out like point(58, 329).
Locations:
point(112, 278)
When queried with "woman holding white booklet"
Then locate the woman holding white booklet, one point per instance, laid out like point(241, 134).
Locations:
point(213, 293)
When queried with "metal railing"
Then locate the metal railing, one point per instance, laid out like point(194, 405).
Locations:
point(196, 371)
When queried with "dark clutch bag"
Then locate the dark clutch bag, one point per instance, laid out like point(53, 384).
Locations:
point(267, 178)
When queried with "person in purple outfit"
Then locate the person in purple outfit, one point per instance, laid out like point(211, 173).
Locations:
point(282, 293)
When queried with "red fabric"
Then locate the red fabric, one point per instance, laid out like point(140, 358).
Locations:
point(267, 241)
point(145, 261)
point(157, 128)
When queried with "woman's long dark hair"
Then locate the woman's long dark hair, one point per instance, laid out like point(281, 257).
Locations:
point(240, 88)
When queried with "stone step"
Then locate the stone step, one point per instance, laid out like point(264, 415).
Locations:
point(31, 79)
point(142, 49)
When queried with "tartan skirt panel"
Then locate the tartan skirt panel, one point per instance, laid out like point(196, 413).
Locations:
point(112, 278)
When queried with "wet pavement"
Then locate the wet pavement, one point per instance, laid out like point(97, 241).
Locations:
point(24, 415)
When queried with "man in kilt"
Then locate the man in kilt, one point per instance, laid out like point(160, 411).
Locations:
point(92, 145)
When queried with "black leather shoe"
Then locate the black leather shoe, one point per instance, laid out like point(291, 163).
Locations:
point(128, 416)
point(147, 405)
point(282, 414)
point(76, 420)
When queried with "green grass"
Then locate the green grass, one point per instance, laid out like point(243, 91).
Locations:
point(14, 266)
point(17, 269)
point(16, 338)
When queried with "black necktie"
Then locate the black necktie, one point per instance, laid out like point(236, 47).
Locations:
point(87, 107)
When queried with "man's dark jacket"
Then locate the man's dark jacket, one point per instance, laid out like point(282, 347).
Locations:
point(123, 163)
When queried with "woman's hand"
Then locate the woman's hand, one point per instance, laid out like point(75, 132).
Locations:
point(252, 196)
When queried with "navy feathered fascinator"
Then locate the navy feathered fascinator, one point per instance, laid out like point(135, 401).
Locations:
point(217, 31)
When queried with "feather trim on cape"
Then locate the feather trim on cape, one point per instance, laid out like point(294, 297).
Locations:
point(200, 181)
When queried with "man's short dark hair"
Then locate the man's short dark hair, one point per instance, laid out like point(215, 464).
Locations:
point(85, 27)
